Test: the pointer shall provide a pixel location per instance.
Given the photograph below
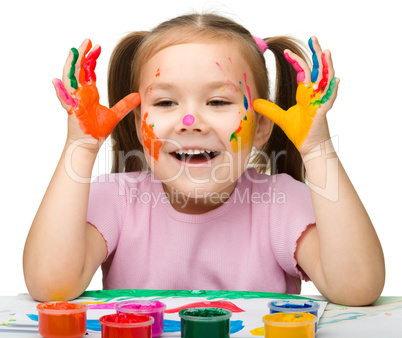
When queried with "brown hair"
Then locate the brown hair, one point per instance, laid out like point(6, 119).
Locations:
point(279, 154)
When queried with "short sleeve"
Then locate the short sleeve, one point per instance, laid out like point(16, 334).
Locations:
point(290, 216)
point(107, 208)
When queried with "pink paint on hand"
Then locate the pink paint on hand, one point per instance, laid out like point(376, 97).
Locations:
point(300, 72)
point(63, 94)
point(219, 304)
point(188, 120)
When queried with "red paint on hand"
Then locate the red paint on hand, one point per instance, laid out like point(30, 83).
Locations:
point(324, 81)
point(218, 304)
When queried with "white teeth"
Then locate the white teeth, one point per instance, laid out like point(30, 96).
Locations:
point(192, 151)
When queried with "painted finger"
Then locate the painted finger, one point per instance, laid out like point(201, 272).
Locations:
point(331, 70)
point(331, 93)
point(66, 72)
point(71, 72)
point(90, 64)
point(324, 80)
point(316, 57)
point(301, 67)
point(65, 98)
point(83, 49)
point(125, 105)
point(269, 110)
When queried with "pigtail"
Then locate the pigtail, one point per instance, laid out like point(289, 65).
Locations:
point(120, 84)
point(283, 155)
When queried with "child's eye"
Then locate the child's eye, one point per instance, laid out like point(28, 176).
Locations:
point(165, 104)
point(218, 103)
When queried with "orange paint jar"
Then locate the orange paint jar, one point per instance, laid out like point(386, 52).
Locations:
point(62, 319)
point(289, 325)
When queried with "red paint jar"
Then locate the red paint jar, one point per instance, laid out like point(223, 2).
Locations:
point(126, 325)
point(62, 319)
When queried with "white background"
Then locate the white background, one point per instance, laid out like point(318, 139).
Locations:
point(363, 36)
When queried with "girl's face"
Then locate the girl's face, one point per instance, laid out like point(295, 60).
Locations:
point(197, 122)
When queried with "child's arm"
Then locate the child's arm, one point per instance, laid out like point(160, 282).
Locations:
point(342, 255)
point(62, 251)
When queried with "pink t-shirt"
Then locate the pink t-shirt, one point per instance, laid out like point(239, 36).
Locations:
point(246, 244)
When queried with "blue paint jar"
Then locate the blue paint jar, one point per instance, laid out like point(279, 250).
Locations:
point(293, 305)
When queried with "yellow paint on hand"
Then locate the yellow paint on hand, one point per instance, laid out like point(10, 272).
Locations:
point(297, 120)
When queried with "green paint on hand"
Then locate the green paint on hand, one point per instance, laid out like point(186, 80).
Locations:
point(71, 75)
point(330, 90)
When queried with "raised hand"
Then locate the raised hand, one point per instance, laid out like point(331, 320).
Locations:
point(305, 123)
point(81, 98)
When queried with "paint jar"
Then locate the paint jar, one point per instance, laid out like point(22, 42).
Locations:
point(154, 309)
point(289, 325)
point(205, 322)
point(126, 325)
point(290, 306)
point(62, 319)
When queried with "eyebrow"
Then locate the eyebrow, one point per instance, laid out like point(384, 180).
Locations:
point(210, 85)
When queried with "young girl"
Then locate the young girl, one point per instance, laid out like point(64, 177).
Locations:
point(189, 204)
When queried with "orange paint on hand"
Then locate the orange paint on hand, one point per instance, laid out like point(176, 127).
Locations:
point(95, 119)
point(296, 122)
point(150, 140)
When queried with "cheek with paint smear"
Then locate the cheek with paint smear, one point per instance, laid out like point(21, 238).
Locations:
point(244, 135)
point(150, 141)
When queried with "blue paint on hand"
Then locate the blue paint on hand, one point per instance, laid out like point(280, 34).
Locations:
point(316, 65)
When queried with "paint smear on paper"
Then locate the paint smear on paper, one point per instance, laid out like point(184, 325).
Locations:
point(150, 140)
point(100, 306)
point(219, 304)
point(259, 331)
point(109, 295)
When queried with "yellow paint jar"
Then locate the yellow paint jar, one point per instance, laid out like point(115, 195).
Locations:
point(289, 325)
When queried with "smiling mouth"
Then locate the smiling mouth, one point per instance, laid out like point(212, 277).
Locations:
point(195, 156)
